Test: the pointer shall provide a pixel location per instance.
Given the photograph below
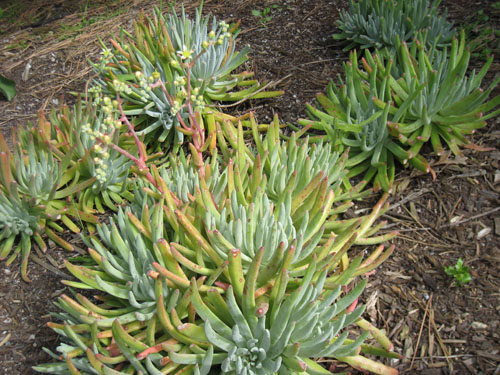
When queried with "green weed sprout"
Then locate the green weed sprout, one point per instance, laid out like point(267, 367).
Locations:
point(459, 272)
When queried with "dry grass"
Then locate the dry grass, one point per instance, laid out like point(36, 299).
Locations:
point(47, 48)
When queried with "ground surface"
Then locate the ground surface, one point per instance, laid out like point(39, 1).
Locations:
point(438, 327)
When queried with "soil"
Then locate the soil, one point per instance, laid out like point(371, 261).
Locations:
point(438, 327)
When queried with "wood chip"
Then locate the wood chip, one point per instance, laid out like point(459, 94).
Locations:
point(483, 233)
point(4, 341)
point(479, 325)
point(496, 179)
point(371, 308)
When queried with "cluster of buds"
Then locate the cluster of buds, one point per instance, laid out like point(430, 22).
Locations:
point(121, 87)
point(186, 54)
point(197, 100)
point(225, 32)
point(110, 123)
point(103, 131)
point(102, 155)
point(109, 105)
point(180, 81)
point(96, 92)
point(176, 107)
point(144, 82)
point(212, 36)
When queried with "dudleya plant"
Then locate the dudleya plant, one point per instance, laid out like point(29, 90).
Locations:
point(379, 23)
point(263, 187)
point(170, 60)
point(18, 221)
point(36, 192)
point(435, 98)
point(253, 329)
point(278, 333)
point(123, 254)
point(246, 332)
point(184, 333)
point(387, 109)
point(351, 120)
point(84, 132)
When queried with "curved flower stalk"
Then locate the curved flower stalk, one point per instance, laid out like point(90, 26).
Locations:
point(436, 99)
point(351, 119)
point(192, 59)
point(36, 193)
point(76, 131)
point(378, 23)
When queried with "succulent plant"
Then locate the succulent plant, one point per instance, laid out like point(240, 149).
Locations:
point(277, 334)
point(183, 179)
point(436, 99)
point(241, 327)
point(179, 265)
point(122, 255)
point(173, 66)
point(423, 95)
point(21, 221)
point(83, 132)
point(35, 193)
point(352, 120)
point(378, 23)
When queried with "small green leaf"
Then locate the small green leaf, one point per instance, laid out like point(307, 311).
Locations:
point(7, 87)
point(459, 272)
point(256, 13)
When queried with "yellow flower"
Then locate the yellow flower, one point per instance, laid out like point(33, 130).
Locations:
point(185, 54)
